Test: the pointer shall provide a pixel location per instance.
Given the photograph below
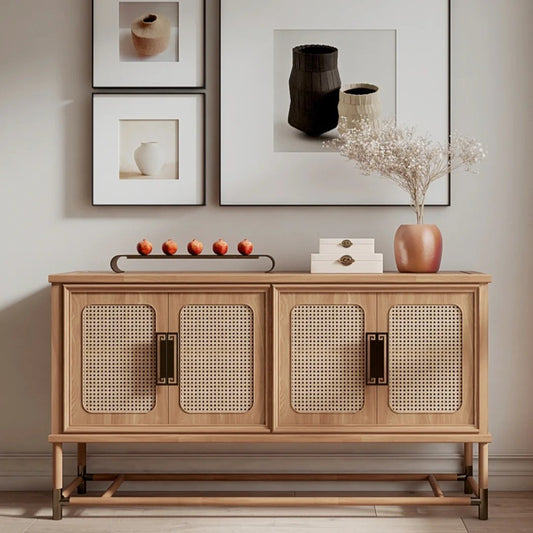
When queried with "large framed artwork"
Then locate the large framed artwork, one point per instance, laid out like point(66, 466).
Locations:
point(277, 56)
point(148, 149)
point(148, 43)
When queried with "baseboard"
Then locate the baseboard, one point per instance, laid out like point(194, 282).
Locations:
point(21, 472)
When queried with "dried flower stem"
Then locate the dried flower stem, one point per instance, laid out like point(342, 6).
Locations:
point(412, 162)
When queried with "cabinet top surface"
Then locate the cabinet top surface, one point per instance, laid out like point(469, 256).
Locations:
point(456, 277)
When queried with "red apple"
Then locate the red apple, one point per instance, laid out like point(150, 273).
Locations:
point(144, 247)
point(220, 247)
point(169, 247)
point(195, 247)
point(245, 247)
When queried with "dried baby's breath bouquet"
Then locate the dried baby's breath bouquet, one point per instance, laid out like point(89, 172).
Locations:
point(397, 153)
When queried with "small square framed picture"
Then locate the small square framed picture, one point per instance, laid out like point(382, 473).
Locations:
point(146, 43)
point(148, 149)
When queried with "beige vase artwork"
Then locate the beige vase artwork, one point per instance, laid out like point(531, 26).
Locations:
point(150, 34)
point(359, 101)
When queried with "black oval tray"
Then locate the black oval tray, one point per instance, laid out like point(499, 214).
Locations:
point(116, 258)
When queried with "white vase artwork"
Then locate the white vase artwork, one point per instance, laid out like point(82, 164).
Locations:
point(149, 157)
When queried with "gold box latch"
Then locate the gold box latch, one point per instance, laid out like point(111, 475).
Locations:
point(346, 260)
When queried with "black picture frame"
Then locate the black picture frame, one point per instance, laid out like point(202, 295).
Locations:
point(110, 124)
point(225, 139)
point(106, 54)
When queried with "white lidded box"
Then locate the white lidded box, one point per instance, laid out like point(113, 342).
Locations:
point(347, 263)
point(346, 244)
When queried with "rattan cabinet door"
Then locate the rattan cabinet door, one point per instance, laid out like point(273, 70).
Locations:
point(111, 362)
point(430, 360)
point(221, 359)
point(320, 360)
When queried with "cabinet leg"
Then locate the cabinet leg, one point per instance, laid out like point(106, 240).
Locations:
point(468, 465)
point(483, 480)
point(57, 510)
point(57, 480)
point(82, 467)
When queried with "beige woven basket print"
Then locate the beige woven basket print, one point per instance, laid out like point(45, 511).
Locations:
point(216, 358)
point(425, 358)
point(327, 358)
point(118, 358)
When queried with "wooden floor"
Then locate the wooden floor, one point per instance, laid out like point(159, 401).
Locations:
point(510, 512)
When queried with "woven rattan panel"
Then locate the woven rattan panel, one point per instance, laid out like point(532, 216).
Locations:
point(216, 358)
point(118, 358)
point(327, 358)
point(425, 358)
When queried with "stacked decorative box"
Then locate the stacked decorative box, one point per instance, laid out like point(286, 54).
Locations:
point(347, 255)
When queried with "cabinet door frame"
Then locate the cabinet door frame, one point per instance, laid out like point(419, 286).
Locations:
point(76, 418)
point(465, 419)
point(285, 418)
point(256, 419)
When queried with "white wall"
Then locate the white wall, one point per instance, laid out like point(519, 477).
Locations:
point(48, 224)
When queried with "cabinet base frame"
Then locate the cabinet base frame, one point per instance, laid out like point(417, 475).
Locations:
point(62, 497)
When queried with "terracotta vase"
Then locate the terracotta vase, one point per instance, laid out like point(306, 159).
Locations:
point(314, 86)
point(150, 34)
point(359, 101)
point(418, 248)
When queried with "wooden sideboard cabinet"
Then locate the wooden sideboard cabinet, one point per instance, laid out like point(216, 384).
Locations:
point(279, 358)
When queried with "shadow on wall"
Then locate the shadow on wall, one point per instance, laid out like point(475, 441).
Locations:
point(77, 187)
point(76, 111)
point(25, 374)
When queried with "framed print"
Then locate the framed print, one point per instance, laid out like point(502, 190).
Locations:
point(147, 43)
point(280, 57)
point(148, 149)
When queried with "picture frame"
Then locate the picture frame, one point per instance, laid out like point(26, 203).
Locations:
point(148, 43)
point(148, 149)
point(404, 44)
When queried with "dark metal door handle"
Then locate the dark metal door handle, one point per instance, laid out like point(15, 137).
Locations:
point(377, 359)
point(167, 359)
